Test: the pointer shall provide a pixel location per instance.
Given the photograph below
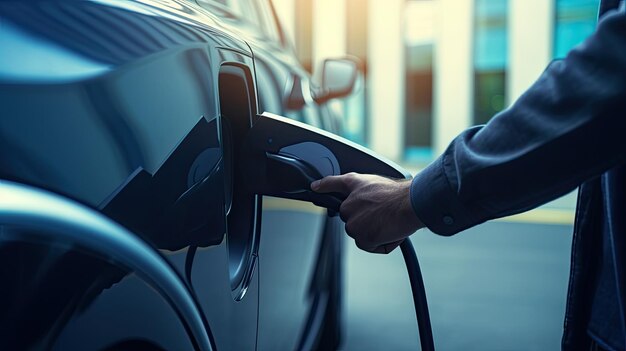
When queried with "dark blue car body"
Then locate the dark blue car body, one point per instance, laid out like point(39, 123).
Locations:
point(120, 127)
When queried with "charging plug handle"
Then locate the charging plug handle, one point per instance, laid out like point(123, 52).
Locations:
point(294, 176)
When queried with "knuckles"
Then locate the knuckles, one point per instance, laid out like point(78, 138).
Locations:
point(349, 227)
point(349, 179)
point(361, 245)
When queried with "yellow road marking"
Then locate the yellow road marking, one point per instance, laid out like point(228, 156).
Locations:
point(276, 204)
point(543, 216)
point(539, 215)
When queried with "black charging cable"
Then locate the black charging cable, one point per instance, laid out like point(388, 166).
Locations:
point(419, 295)
point(418, 289)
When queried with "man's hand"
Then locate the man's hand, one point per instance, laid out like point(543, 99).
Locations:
point(377, 210)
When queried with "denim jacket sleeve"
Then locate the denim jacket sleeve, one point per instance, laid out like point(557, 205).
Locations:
point(568, 127)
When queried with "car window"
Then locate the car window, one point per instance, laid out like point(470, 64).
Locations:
point(255, 12)
point(265, 10)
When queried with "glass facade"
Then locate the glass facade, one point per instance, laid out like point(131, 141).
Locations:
point(304, 33)
point(419, 103)
point(355, 107)
point(575, 20)
point(490, 58)
point(418, 121)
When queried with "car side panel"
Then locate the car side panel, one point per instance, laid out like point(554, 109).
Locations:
point(135, 135)
point(300, 252)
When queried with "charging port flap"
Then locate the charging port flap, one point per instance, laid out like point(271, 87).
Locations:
point(281, 157)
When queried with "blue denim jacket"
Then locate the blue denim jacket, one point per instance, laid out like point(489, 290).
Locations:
point(567, 130)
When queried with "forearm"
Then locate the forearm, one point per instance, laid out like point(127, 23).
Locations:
point(568, 127)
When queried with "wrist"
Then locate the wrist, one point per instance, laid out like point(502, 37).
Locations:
point(408, 211)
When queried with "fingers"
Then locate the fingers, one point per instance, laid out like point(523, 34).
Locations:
point(387, 248)
point(345, 211)
point(361, 245)
point(365, 243)
point(372, 209)
point(382, 249)
point(334, 184)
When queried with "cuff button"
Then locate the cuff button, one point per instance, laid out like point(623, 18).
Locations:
point(447, 220)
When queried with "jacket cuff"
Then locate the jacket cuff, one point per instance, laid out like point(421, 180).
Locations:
point(436, 203)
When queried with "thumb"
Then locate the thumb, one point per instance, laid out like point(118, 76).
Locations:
point(331, 184)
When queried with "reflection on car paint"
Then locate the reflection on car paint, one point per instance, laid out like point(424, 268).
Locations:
point(134, 131)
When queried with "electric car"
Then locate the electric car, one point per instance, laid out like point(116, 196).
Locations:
point(150, 195)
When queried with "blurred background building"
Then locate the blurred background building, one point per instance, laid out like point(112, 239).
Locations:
point(431, 68)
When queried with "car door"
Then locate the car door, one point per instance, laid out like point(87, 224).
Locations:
point(300, 248)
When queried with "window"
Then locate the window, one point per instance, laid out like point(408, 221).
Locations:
point(253, 12)
point(490, 58)
point(304, 33)
point(355, 106)
point(419, 40)
point(267, 19)
point(575, 20)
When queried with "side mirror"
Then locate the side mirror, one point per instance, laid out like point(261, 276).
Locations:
point(338, 78)
point(281, 157)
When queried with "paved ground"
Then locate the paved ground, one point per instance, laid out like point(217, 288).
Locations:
point(498, 286)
